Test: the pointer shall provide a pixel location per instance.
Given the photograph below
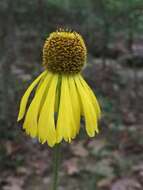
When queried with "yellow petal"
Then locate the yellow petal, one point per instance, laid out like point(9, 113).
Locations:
point(57, 98)
point(46, 124)
point(75, 101)
point(65, 123)
point(25, 97)
point(88, 108)
point(30, 123)
point(90, 92)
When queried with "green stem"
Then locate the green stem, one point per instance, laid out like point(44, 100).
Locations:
point(56, 166)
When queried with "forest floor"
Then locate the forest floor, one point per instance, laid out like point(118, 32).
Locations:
point(111, 161)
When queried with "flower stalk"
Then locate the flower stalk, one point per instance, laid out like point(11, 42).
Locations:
point(56, 166)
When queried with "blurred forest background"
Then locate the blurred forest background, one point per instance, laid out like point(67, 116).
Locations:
point(113, 31)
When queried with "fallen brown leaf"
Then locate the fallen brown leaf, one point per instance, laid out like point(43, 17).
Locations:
point(13, 183)
point(71, 166)
point(79, 149)
point(126, 184)
point(96, 145)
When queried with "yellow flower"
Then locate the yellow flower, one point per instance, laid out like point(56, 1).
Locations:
point(61, 94)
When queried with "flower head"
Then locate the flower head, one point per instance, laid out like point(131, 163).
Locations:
point(61, 94)
point(64, 52)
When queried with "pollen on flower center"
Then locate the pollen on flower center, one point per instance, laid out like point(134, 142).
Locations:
point(64, 52)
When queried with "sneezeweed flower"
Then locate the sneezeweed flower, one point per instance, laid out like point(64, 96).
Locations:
point(61, 94)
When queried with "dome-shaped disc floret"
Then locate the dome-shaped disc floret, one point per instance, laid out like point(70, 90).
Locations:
point(64, 52)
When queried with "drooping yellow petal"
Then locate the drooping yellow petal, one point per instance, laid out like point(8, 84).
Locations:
point(65, 123)
point(75, 101)
point(30, 123)
point(90, 92)
point(88, 108)
point(57, 97)
point(25, 97)
point(40, 83)
point(46, 124)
